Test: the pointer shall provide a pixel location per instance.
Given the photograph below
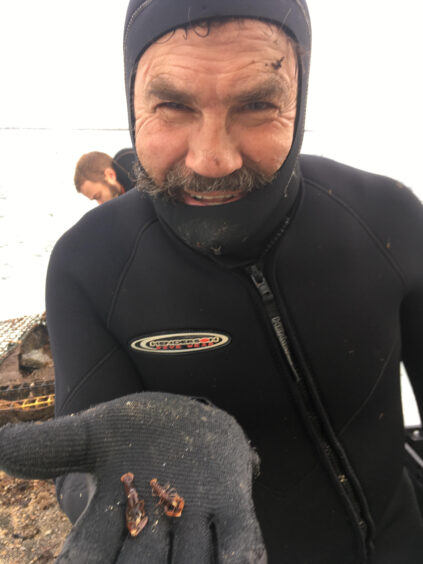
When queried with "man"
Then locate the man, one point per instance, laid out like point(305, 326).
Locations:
point(101, 178)
point(284, 290)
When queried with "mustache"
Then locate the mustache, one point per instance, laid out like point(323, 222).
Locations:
point(179, 178)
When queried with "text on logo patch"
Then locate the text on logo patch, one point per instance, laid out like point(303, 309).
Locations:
point(194, 341)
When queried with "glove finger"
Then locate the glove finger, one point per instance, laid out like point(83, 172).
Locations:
point(98, 534)
point(239, 539)
point(193, 540)
point(45, 450)
point(151, 546)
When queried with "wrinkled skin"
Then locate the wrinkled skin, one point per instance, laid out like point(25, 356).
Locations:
point(216, 103)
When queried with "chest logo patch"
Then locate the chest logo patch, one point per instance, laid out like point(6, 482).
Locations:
point(186, 342)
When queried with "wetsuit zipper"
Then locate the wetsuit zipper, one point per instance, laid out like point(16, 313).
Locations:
point(272, 311)
point(336, 466)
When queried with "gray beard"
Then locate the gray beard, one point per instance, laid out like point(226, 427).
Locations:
point(179, 178)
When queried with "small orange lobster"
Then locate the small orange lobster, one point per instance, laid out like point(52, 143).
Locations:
point(172, 502)
point(136, 518)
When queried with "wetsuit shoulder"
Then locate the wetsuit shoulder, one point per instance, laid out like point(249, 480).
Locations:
point(384, 206)
point(94, 251)
point(352, 184)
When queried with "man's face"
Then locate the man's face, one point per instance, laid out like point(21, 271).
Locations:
point(99, 191)
point(211, 106)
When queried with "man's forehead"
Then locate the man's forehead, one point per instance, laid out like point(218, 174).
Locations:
point(243, 42)
point(259, 64)
point(220, 25)
point(222, 30)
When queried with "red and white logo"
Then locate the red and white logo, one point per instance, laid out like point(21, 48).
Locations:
point(186, 342)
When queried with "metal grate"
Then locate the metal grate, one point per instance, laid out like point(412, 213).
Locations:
point(30, 403)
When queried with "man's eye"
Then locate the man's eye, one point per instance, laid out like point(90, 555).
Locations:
point(173, 106)
point(258, 106)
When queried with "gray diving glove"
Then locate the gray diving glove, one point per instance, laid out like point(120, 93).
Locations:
point(175, 447)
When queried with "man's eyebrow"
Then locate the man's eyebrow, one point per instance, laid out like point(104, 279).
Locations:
point(270, 89)
point(163, 90)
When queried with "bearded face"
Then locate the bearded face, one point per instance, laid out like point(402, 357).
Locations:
point(215, 114)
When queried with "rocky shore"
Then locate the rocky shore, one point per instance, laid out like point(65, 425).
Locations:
point(32, 526)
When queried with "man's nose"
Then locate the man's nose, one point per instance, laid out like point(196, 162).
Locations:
point(213, 150)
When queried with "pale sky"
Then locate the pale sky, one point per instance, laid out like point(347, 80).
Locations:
point(61, 67)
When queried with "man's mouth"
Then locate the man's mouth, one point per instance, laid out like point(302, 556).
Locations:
point(209, 198)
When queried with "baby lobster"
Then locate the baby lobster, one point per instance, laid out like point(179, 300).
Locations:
point(136, 518)
point(172, 502)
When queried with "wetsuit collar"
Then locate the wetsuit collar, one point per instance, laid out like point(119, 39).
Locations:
point(239, 230)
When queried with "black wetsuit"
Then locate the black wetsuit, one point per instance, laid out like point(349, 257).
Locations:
point(308, 364)
point(123, 165)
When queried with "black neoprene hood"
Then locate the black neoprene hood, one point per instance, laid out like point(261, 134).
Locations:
point(240, 228)
point(147, 20)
